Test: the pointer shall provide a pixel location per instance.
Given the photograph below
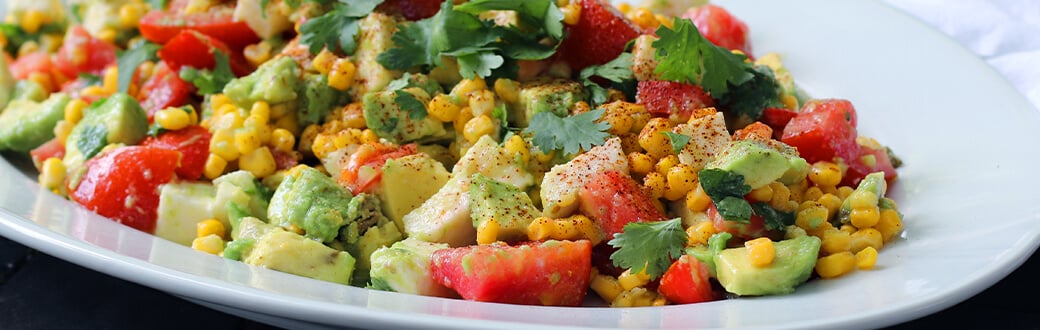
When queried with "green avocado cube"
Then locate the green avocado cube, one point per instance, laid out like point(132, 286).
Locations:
point(504, 203)
point(792, 266)
point(26, 124)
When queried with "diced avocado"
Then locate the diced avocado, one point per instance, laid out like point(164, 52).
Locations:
point(252, 228)
point(117, 119)
point(873, 183)
point(239, 192)
point(182, 205)
point(310, 201)
point(445, 217)
point(29, 90)
point(419, 80)
point(7, 83)
point(405, 267)
point(792, 266)
point(398, 122)
point(545, 95)
point(408, 182)
point(363, 213)
point(316, 99)
point(378, 236)
point(507, 205)
point(25, 125)
point(375, 36)
point(276, 81)
point(706, 253)
point(758, 163)
point(291, 253)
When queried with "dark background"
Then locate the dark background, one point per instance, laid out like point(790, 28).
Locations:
point(38, 291)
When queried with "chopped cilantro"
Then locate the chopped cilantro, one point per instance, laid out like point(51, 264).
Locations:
point(678, 141)
point(129, 60)
point(649, 246)
point(570, 134)
point(753, 96)
point(617, 70)
point(727, 190)
point(210, 81)
point(408, 102)
point(93, 139)
point(154, 130)
point(336, 29)
point(90, 79)
point(502, 114)
point(774, 219)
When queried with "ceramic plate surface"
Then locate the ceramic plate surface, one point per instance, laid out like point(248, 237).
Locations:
point(967, 139)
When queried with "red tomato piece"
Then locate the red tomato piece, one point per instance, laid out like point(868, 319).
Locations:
point(284, 160)
point(755, 228)
point(413, 10)
point(164, 89)
point(194, 49)
point(364, 169)
point(159, 26)
point(687, 281)
point(599, 36)
point(82, 53)
point(777, 118)
point(193, 144)
point(29, 63)
point(720, 27)
point(52, 148)
point(868, 160)
point(823, 130)
point(123, 184)
point(613, 199)
point(672, 99)
point(554, 273)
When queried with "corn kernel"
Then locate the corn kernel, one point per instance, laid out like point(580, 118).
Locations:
point(130, 14)
point(866, 258)
point(889, 225)
point(482, 102)
point(606, 286)
point(52, 173)
point(467, 86)
point(812, 217)
point(222, 143)
point(260, 162)
point(341, 76)
point(246, 140)
point(682, 177)
point(210, 227)
point(865, 217)
point(832, 202)
point(288, 122)
point(258, 53)
point(571, 13)
point(655, 184)
point(172, 119)
point(211, 244)
point(282, 140)
point(644, 18)
point(697, 200)
point(323, 61)
point(653, 140)
point(835, 265)
point(825, 174)
point(214, 167)
point(487, 232)
point(762, 194)
point(666, 163)
point(863, 199)
point(443, 109)
point(477, 127)
point(44, 80)
point(369, 136)
point(515, 145)
point(628, 280)
point(835, 241)
point(781, 196)
point(843, 192)
point(698, 234)
point(761, 251)
point(62, 130)
point(508, 90)
point(868, 237)
point(464, 116)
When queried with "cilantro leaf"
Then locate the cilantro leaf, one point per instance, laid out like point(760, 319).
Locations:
point(92, 140)
point(336, 29)
point(679, 141)
point(408, 102)
point(90, 79)
point(734, 209)
point(617, 70)
point(423, 42)
point(649, 246)
point(479, 64)
point(542, 13)
point(570, 134)
point(210, 81)
point(130, 59)
point(774, 219)
point(752, 97)
point(502, 114)
point(686, 56)
point(727, 190)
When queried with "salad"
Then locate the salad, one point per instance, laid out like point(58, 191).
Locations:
point(538, 152)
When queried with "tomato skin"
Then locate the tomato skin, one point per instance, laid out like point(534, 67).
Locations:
point(613, 199)
point(777, 119)
point(672, 99)
point(364, 169)
point(82, 53)
point(599, 36)
point(550, 273)
point(123, 184)
point(686, 281)
point(160, 26)
point(51, 149)
point(194, 49)
point(720, 27)
point(164, 89)
point(755, 228)
point(857, 169)
point(29, 63)
point(191, 142)
point(823, 130)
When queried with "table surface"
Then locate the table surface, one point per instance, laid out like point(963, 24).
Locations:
point(77, 297)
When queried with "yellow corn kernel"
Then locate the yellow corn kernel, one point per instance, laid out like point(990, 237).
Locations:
point(369, 136)
point(341, 76)
point(673, 193)
point(571, 13)
point(865, 217)
point(282, 140)
point(812, 194)
point(464, 116)
point(258, 53)
point(62, 130)
point(487, 232)
point(247, 140)
point(108, 35)
point(261, 112)
point(682, 177)
point(762, 194)
point(866, 258)
point(482, 102)
point(541, 229)
point(32, 20)
point(835, 265)
point(666, 163)
point(288, 122)
point(629, 280)
point(698, 234)
point(789, 101)
point(74, 110)
point(211, 244)
point(640, 163)
point(624, 7)
point(222, 143)
point(867, 237)
point(323, 61)
point(761, 251)
point(781, 196)
point(130, 14)
point(889, 225)
point(825, 174)
point(231, 119)
point(848, 228)
point(653, 140)
point(844, 192)
point(172, 118)
point(508, 90)
point(214, 167)
point(443, 109)
point(210, 227)
point(835, 241)
point(832, 202)
point(655, 184)
point(606, 286)
point(812, 217)
point(260, 162)
point(44, 80)
point(644, 18)
point(697, 200)
point(515, 145)
point(323, 144)
point(636, 297)
point(467, 86)
point(477, 127)
point(52, 174)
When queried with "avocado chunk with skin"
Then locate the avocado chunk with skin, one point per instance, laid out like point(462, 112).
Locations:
point(276, 81)
point(402, 123)
point(545, 95)
point(409, 181)
point(25, 125)
point(291, 253)
point(507, 205)
point(117, 119)
point(757, 163)
point(405, 267)
point(792, 266)
point(311, 201)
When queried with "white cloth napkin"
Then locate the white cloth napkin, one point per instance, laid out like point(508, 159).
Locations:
point(1004, 33)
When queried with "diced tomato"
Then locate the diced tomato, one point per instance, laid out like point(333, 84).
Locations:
point(554, 273)
point(284, 160)
point(364, 168)
point(164, 89)
point(413, 10)
point(824, 129)
point(613, 199)
point(193, 144)
point(720, 27)
point(194, 49)
point(599, 36)
point(687, 281)
point(861, 165)
point(672, 99)
point(754, 228)
point(52, 148)
point(123, 184)
point(29, 63)
point(82, 53)
point(159, 26)
point(777, 118)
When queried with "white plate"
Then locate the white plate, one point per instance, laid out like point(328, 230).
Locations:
point(967, 189)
